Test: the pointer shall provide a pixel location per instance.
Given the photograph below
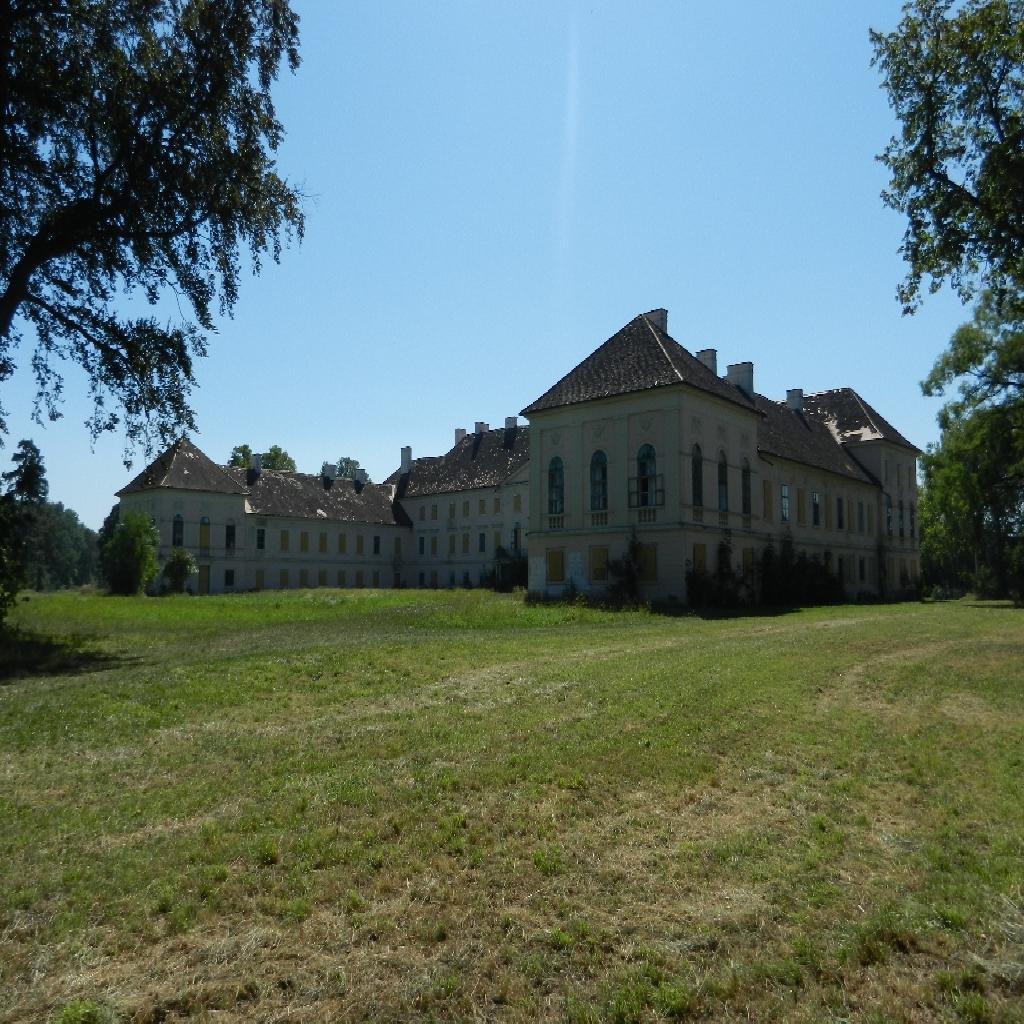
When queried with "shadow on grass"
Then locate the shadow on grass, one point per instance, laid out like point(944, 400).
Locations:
point(24, 654)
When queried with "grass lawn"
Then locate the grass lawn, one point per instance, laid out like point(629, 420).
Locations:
point(389, 806)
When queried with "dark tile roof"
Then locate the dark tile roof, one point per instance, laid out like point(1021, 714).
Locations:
point(639, 357)
point(478, 460)
point(788, 434)
point(304, 496)
point(184, 467)
point(850, 418)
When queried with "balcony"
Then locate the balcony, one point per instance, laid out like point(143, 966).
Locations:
point(598, 518)
point(647, 515)
point(556, 522)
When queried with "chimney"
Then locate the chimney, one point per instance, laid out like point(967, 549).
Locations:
point(361, 475)
point(511, 422)
point(741, 375)
point(481, 427)
point(460, 433)
point(709, 357)
point(406, 459)
point(795, 399)
point(658, 317)
point(328, 471)
point(252, 474)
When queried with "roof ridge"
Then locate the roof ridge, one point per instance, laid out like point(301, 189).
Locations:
point(664, 351)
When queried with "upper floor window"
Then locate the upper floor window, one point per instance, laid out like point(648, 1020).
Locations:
point(645, 489)
point(745, 487)
point(556, 487)
point(901, 516)
point(178, 532)
point(784, 503)
point(815, 508)
point(839, 514)
point(697, 475)
point(888, 515)
point(598, 482)
point(261, 538)
point(229, 537)
point(723, 483)
point(913, 520)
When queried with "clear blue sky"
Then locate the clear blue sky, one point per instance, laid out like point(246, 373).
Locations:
point(494, 189)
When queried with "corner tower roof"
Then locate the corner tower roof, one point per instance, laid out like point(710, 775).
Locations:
point(639, 357)
point(184, 467)
point(850, 418)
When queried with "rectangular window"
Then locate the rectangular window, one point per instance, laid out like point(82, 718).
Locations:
point(433, 512)
point(283, 578)
point(229, 578)
point(861, 571)
point(451, 543)
point(178, 532)
point(423, 545)
point(801, 515)
point(423, 579)
point(556, 565)
point(465, 543)
point(482, 543)
point(342, 543)
point(700, 558)
point(359, 577)
point(647, 562)
point(465, 509)
point(376, 577)
point(359, 543)
point(815, 508)
point(451, 509)
point(598, 564)
point(303, 577)
point(497, 539)
point(517, 503)
point(433, 545)
point(433, 578)
point(229, 537)
point(497, 505)
point(784, 503)
point(321, 578)
point(483, 506)
point(840, 522)
point(341, 577)
point(259, 579)
point(261, 538)
point(828, 513)
point(860, 517)
point(303, 541)
point(376, 544)
point(423, 512)
point(767, 496)
point(748, 563)
point(871, 519)
point(322, 545)
point(398, 546)
point(284, 540)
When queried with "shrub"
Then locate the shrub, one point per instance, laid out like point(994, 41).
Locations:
point(128, 556)
point(177, 569)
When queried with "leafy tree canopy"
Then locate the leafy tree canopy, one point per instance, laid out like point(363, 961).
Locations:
point(954, 73)
point(27, 481)
point(347, 468)
point(274, 458)
point(138, 143)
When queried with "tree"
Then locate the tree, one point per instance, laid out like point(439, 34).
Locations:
point(179, 566)
point(137, 143)
point(347, 468)
point(275, 458)
point(128, 556)
point(26, 489)
point(954, 73)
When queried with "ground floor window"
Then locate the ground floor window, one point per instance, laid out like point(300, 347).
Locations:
point(556, 565)
point(700, 558)
point(303, 577)
point(283, 579)
point(229, 578)
point(341, 577)
point(359, 577)
point(321, 578)
point(598, 564)
point(259, 579)
point(647, 562)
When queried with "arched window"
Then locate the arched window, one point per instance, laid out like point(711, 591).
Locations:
point(745, 487)
point(723, 483)
point(646, 476)
point(697, 471)
point(178, 531)
point(204, 534)
point(556, 487)
point(598, 482)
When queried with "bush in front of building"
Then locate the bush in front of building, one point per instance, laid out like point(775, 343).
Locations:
point(128, 555)
point(179, 566)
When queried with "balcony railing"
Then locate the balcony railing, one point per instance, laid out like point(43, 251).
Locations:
point(556, 522)
point(598, 518)
point(647, 515)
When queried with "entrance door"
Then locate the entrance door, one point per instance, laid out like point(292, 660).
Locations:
point(204, 579)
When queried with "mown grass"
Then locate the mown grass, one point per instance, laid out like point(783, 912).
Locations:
point(370, 805)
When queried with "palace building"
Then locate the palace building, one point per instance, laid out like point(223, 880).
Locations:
point(642, 439)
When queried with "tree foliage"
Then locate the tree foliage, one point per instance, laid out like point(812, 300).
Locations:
point(25, 490)
point(274, 458)
point(128, 555)
point(954, 73)
point(179, 566)
point(347, 468)
point(137, 142)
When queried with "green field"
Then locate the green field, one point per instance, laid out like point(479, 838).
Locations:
point(338, 805)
